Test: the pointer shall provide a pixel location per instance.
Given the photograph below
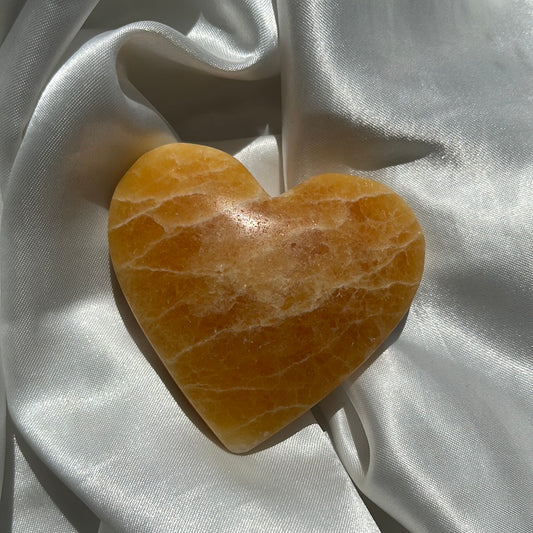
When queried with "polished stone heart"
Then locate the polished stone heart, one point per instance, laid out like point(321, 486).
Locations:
point(259, 306)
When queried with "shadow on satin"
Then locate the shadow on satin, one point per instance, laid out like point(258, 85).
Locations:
point(320, 143)
point(18, 452)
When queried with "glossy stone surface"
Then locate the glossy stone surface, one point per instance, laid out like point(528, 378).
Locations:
point(259, 306)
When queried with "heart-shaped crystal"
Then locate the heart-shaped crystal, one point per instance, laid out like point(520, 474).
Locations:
point(259, 306)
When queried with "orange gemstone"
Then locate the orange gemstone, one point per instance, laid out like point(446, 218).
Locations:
point(259, 306)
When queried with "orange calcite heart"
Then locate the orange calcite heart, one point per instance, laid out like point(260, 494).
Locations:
point(259, 306)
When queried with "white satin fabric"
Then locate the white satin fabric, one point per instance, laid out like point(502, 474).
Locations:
point(431, 97)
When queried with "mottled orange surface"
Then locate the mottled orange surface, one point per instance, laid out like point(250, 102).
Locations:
point(259, 306)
